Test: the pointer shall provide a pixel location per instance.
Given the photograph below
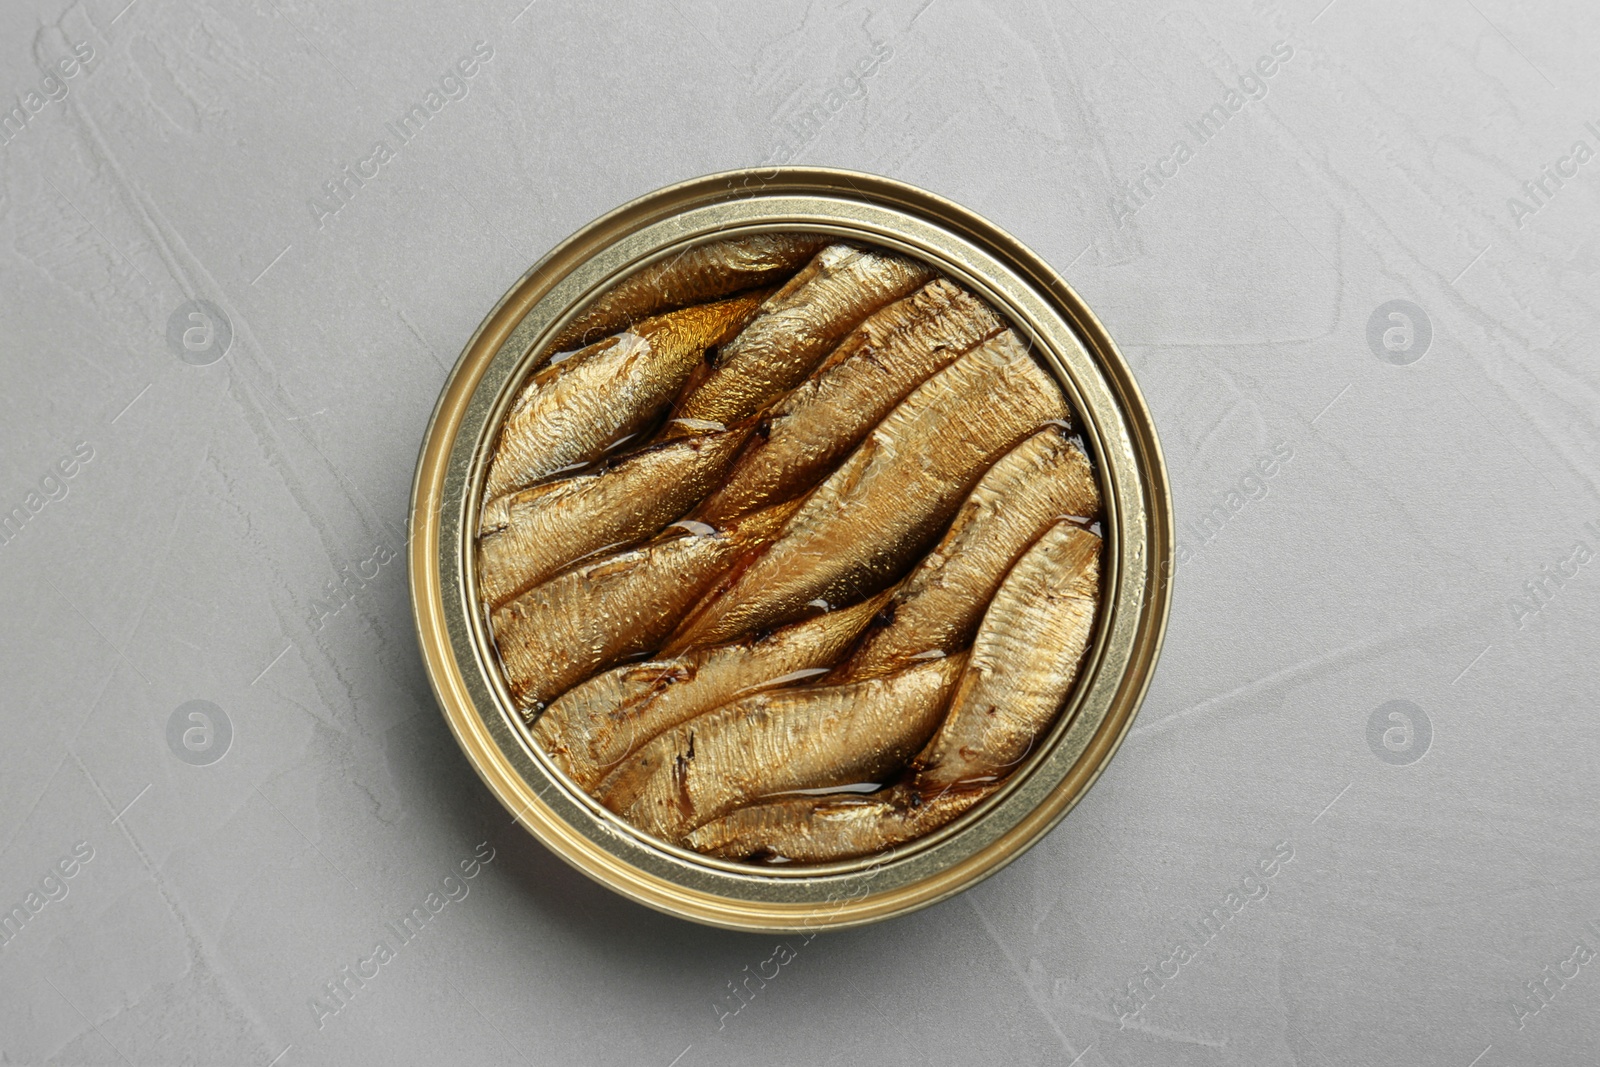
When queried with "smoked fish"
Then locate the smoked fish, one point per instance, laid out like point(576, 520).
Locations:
point(532, 534)
point(796, 328)
point(594, 614)
point(1023, 662)
point(1004, 701)
point(803, 434)
point(572, 411)
point(835, 826)
point(593, 726)
point(886, 503)
point(938, 606)
point(698, 273)
point(778, 741)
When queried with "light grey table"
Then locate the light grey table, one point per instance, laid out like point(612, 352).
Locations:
point(1379, 681)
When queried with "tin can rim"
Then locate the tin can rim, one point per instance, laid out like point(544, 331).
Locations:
point(1138, 522)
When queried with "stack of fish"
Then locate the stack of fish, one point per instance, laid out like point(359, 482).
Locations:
point(793, 557)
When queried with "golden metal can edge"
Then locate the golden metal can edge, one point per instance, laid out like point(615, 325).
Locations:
point(1138, 525)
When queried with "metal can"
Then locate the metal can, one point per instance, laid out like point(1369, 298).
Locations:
point(1137, 525)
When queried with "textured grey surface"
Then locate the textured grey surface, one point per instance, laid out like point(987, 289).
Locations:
point(1388, 558)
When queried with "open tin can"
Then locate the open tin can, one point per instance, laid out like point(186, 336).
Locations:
point(1135, 523)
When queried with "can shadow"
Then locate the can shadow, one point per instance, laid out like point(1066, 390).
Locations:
point(550, 933)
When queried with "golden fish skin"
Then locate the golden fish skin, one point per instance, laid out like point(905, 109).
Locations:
point(836, 826)
point(701, 272)
point(570, 412)
point(1023, 662)
point(797, 326)
point(536, 532)
point(593, 615)
point(886, 503)
point(594, 726)
point(777, 741)
point(938, 606)
point(895, 350)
